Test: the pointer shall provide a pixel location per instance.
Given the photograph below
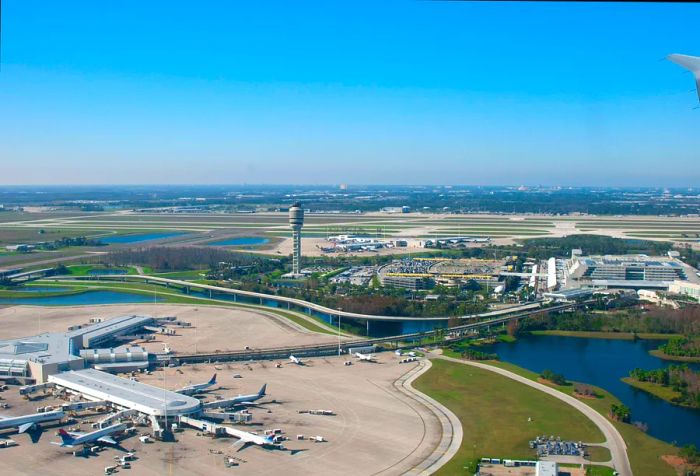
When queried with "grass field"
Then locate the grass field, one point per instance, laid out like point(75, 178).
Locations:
point(664, 393)
point(644, 451)
point(494, 412)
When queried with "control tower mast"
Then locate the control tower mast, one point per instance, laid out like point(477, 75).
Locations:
point(296, 222)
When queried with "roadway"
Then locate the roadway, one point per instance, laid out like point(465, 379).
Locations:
point(451, 438)
point(306, 305)
point(614, 441)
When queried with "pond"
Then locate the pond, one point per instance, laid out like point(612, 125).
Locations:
point(137, 238)
point(82, 299)
point(241, 241)
point(106, 271)
point(603, 362)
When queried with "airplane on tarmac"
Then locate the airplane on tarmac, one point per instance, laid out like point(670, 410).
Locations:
point(26, 423)
point(691, 63)
point(198, 387)
point(240, 400)
point(246, 439)
point(102, 435)
point(365, 357)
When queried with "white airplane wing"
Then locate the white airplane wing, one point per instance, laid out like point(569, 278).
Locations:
point(107, 439)
point(691, 63)
point(24, 427)
point(239, 445)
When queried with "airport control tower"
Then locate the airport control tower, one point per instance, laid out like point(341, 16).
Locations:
point(296, 221)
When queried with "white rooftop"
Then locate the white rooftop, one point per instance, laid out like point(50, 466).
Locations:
point(126, 393)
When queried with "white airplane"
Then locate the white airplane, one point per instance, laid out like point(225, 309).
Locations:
point(365, 357)
point(242, 400)
point(98, 436)
point(25, 423)
point(691, 63)
point(246, 439)
point(296, 360)
point(198, 387)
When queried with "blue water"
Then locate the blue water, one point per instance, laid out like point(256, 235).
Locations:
point(603, 362)
point(137, 238)
point(105, 271)
point(83, 299)
point(240, 241)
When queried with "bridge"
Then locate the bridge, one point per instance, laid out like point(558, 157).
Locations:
point(316, 350)
point(307, 306)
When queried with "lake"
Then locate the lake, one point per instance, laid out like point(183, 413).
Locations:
point(241, 241)
point(82, 299)
point(603, 362)
point(137, 238)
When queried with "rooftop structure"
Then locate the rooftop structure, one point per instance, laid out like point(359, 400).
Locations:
point(127, 394)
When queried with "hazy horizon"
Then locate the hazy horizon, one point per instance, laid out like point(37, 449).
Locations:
point(424, 93)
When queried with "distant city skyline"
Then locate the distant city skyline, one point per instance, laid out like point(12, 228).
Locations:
point(425, 93)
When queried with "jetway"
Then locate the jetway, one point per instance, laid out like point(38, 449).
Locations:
point(115, 418)
point(77, 406)
point(30, 389)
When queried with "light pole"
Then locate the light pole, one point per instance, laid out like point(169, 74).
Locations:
point(340, 309)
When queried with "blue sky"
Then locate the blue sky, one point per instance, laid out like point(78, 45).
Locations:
point(331, 92)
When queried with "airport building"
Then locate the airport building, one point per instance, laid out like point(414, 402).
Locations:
point(624, 271)
point(686, 289)
point(126, 394)
point(35, 358)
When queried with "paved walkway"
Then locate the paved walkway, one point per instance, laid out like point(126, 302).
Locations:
point(451, 427)
point(614, 441)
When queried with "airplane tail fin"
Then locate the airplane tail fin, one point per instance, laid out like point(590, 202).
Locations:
point(262, 390)
point(65, 437)
point(691, 63)
point(213, 379)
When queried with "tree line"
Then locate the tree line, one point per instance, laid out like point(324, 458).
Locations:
point(684, 321)
point(680, 378)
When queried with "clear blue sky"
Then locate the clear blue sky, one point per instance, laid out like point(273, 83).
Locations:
point(421, 92)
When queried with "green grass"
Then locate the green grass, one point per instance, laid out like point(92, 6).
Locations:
point(494, 412)
point(605, 335)
point(644, 451)
point(595, 470)
point(660, 391)
point(10, 294)
point(676, 358)
point(598, 454)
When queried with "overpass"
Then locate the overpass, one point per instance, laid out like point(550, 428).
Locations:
point(307, 306)
point(27, 275)
point(316, 350)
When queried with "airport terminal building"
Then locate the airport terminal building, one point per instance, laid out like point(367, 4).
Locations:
point(33, 359)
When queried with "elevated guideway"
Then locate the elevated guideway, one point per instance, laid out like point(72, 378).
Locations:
point(316, 350)
point(292, 303)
